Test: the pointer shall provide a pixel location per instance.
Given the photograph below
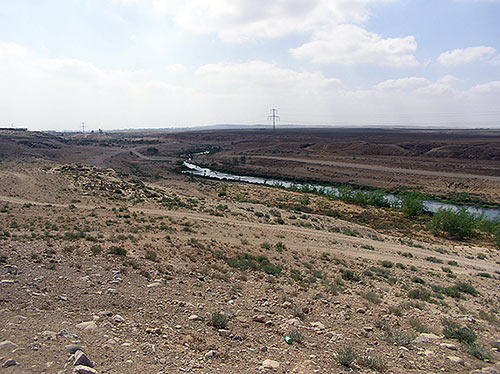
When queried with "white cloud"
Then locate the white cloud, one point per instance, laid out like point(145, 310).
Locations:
point(418, 85)
point(176, 69)
point(403, 83)
point(260, 77)
point(466, 55)
point(11, 51)
point(350, 44)
point(449, 79)
point(60, 93)
point(242, 20)
point(489, 87)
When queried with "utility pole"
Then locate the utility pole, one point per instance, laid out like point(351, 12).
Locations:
point(274, 117)
point(83, 127)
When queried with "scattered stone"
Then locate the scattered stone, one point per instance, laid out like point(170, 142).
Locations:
point(211, 354)
point(456, 360)
point(318, 326)
point(64, 333)
point(194, 317)
point(8, 363)
point(261, 318)
point(360, 311)
point(428, 353)
point(105, 313)
point(294, 322)
point(270, 364)
point(6, 344)
point(286, 304)
point(82, 359)
point(368, 328)
point(84, 370)
point(488, 370)
point(155, 284)
point(449, 346)
point(154, 330)
point(72, 348)
point(424, 337)
point(223, 332)
point(118, 318)
point(89, 325)
point(49, 335)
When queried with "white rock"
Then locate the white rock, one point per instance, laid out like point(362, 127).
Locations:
point(423, 337)
point(118, 318)
point(84, 370)
point(456, 360)
point(89, 325)
point(449, 346)
point(82, 359)
point(7, 345)
point(270, 364)
point(318, 325)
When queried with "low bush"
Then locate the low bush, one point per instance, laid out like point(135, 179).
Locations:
point(457, 224)
point(119, 251)
point(420, 294)
point(412, 205)
point(219, 321)
point(346, 356)
point(453, 330)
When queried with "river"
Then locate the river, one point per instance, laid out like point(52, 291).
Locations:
point(430, 206)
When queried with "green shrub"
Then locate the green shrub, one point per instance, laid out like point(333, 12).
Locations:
point(399, 337)
point(296, 275)
point(418, 280)
point(151, 256)
point(453, 330)
point(434, 259)
point(346, 356)
point(349, 275)
point(96, 249)
point(477, 350)
point(467, 288)
point(387, 264)
point(265, 245)
point(296, 336)
point(373, 363)
point(119, 251)
point(372, 297)
point(412, 205)
point(420, 294)
point(219, 321)
point(459, 225)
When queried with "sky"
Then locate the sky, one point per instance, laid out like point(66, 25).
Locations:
point(117, 64)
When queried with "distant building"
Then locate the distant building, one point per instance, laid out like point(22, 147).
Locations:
point(13, 129)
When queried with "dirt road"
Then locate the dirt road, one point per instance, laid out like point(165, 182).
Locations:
point(384, 168)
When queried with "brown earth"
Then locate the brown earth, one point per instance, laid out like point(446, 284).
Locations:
point(133, 237)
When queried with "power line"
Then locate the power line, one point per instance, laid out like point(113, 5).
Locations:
point(274, 117)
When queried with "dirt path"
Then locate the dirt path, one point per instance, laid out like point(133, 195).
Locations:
point(387, 253)
point(384, 168)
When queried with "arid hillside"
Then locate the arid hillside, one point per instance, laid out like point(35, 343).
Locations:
point(107, 251)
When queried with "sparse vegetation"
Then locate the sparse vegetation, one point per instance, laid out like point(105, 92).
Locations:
point(219, 320)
